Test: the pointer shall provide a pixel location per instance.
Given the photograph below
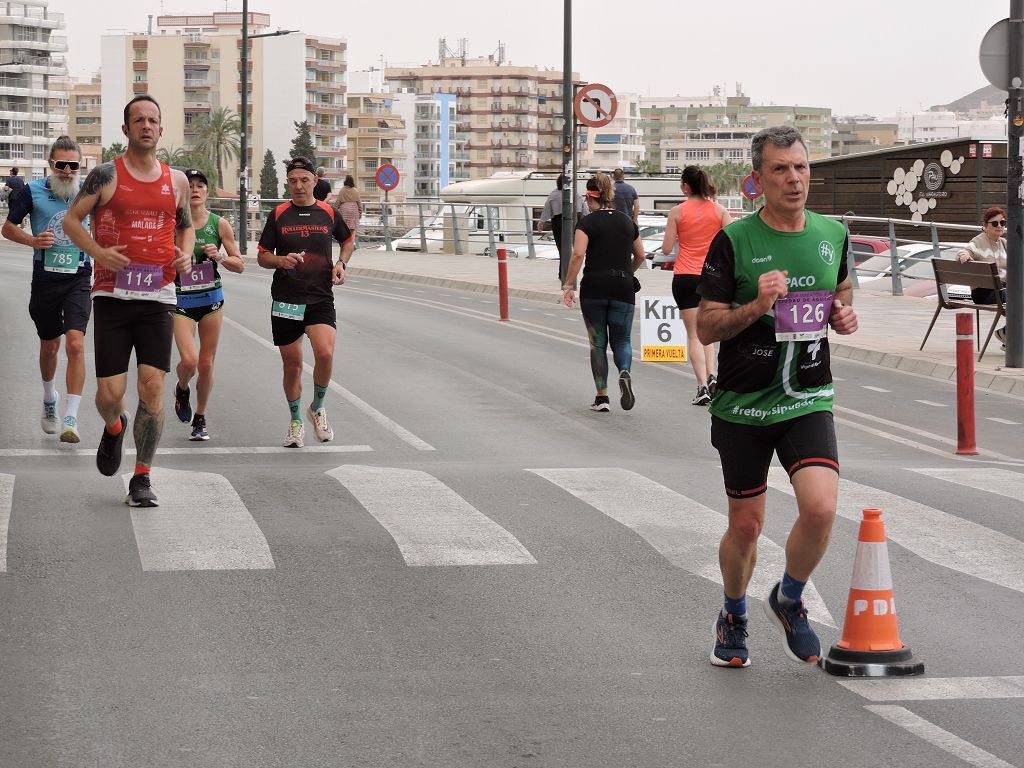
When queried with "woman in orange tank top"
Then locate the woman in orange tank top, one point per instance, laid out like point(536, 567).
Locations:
point(694, 224)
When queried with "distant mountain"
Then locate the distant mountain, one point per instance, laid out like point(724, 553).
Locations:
point(988, 95)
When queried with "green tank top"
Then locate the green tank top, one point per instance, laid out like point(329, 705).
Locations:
point(209, 234)
point(764, 381)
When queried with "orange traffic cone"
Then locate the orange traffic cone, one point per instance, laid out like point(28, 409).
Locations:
point(870, 646)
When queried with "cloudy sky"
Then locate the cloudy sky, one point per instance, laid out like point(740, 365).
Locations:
point(871, 56)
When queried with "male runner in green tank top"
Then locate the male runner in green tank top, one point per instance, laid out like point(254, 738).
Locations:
point(772, 285)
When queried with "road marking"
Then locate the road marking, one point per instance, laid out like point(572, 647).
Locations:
point(873, 389)
point(188, 450)
point(6, 502)
point(682, 530)
point(938, 737)
point(937, 688)
point(1003, 421)
point(200, 525)
point(430, 523)
point(933, 405)
point(391, 426)
point(988, 479)
point(935, 536)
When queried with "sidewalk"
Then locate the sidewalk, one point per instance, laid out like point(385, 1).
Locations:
point(891, 327)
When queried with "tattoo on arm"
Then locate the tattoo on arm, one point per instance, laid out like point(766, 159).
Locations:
point(183, 217)
point(98, 178)
point(147, 430)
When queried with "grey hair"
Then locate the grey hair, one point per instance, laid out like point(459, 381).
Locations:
point(784, 136)
point(65, 143)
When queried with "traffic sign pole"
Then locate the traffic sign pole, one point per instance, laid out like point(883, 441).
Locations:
point(1015, 191)
point(567, 146)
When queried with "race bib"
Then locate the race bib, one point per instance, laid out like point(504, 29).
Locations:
point(288, 311)
point(201, 278)
point(138, 281)
point(803, 316)
point(56, 260)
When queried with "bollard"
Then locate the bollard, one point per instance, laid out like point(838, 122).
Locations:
point(502, 284)
point(965, 441)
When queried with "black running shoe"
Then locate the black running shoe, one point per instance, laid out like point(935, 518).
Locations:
point(702, 397)
point(140, 492)
point(111, 450)
point(802, 642)
point(730, 642)
point(712, 385)
point(199, 431)
point(628, 400)
point(600, 404)
point(182, 407)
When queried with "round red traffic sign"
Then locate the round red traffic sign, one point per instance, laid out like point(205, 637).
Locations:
point(594, 105)
point(387, 177)
point(750, 188)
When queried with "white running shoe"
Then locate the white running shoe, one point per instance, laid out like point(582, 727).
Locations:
point(295, 434)
point(70, 432)
point(321, 426)
point(49, 419)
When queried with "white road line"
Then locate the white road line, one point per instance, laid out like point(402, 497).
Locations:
point(933, 405)
point(200, 525)
point(682, 530)
point(391, 426)
point(873, 389)
point(430, 523)
point(1003, 421)
point(6, 501)
point(935, 536)
point(188, 450)
point(938, 737)
point(989, 479)
point(937, 688)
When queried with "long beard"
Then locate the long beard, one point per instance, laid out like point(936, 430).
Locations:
point(64, 189)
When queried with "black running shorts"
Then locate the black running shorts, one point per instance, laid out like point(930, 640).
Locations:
point(121, 325)
point(684, 291)
point(746, 450)
point(287, 331)
point(198, 313)
point(59, 306)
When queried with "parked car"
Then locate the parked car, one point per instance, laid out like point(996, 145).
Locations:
point(865, 246)
point(915, 265)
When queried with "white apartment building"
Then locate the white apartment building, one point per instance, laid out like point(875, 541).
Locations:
point(192, 65)
point(620, 144)
point(709, 145)
point(33, 94)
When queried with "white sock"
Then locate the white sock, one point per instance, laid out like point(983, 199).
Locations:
point(49, 392)
point(71, 406)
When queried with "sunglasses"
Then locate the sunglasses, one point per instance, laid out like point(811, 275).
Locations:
point(65, 165)
point(998, 222)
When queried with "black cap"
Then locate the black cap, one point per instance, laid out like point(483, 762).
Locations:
point(195, 173)
point(300, 163)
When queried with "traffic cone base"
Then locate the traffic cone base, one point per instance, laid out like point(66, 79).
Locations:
point(846, 663)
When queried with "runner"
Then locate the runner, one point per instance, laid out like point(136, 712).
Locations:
point(772, 284)
point(296, 244)
point(61, 274)
point(200, 301)
point(144, 234)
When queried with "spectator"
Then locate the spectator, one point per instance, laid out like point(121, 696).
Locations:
point(989, 246)
point(322, 189)
point(14, 182)
point(626, 198)
point(349, 204)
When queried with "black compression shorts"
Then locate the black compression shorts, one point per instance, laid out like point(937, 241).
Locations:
point(286, 331)
point(122, 325)
point(684, 290)
point(198, 313)
point(59, 306)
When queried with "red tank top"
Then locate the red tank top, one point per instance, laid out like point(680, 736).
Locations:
point(141, 215)
point(699, 222)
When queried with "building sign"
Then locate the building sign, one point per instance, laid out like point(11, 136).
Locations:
point(973, 151)
point(934, 178)
point(920, 186)
point(986, 150)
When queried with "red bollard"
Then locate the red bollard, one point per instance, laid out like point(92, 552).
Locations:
point(965, 441)
point(502, 284)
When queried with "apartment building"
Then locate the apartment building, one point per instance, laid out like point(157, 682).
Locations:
point(706, 146)
point(33, 104)
point(191, 65)
point(85, 115)
point(511, 116)
point(941, 125)
point(851, 135)
point(376, 136)
point(620, 144)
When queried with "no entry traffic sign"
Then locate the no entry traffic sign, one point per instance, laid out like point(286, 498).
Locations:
point(750, 188)
point(387, 177)
point(595, 105)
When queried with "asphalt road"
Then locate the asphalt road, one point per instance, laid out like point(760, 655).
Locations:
point(479, 571)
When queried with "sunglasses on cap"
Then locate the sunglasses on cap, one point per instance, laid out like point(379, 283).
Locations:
point(998, 222)
point(65, 165)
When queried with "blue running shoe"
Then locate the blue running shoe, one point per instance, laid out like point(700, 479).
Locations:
point(802, 643)
point(730, 642)
point(182, 407)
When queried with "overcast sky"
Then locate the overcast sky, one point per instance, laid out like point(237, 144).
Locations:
point(869, 56)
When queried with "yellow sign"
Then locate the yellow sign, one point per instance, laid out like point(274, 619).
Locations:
point(662, 354)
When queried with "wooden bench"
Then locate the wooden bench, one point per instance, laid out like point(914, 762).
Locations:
point(973, 274)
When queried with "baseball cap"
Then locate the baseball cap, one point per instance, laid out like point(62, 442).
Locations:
point(195, 173)
point(300, 163)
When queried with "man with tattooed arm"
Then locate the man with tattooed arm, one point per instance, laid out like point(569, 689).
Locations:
point(143, 235)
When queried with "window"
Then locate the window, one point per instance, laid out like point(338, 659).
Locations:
point(38, 104)
point(39, 129)
point(671, 154)
point(38, 152)
point(17, 127)
point(608, 138)
point(698, 154)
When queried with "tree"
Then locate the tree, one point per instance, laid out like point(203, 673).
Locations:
point(182, 158)
point(268, 176)
point(647, 166)
point(114, 150)
point(302, 144)
point(219, 135)
point(727, 176)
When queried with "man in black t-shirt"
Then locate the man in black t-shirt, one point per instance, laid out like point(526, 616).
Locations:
point(297, 244)
point(322, 188)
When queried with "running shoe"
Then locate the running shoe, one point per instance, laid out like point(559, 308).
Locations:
point(111, 450)
point(702, 397)
point(295, 434)
point(49, 419)
point(140, 492)
point(802, 643)
point(70, 432)
point(199, 428)
point(1000, 334)
point(730, 642)
point(712, 384)
point(321, 426)
point(628, 400)
point(600, 404)
point(182, 407)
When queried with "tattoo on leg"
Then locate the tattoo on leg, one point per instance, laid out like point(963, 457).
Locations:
point(147, 430)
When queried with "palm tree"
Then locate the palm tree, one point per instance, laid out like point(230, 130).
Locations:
point(646, 166)
point(218, 135)
point(114, 150)
point(173, 156)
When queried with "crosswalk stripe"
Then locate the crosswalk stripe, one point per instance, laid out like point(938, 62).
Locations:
point(999, 420)
point(937, 736)
point(200, 525)
point(430, 523)
point(990, 479)
point(195, 449)
point(682, 530)
point(6, 501)
point(935, 536)
point(937, 688)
